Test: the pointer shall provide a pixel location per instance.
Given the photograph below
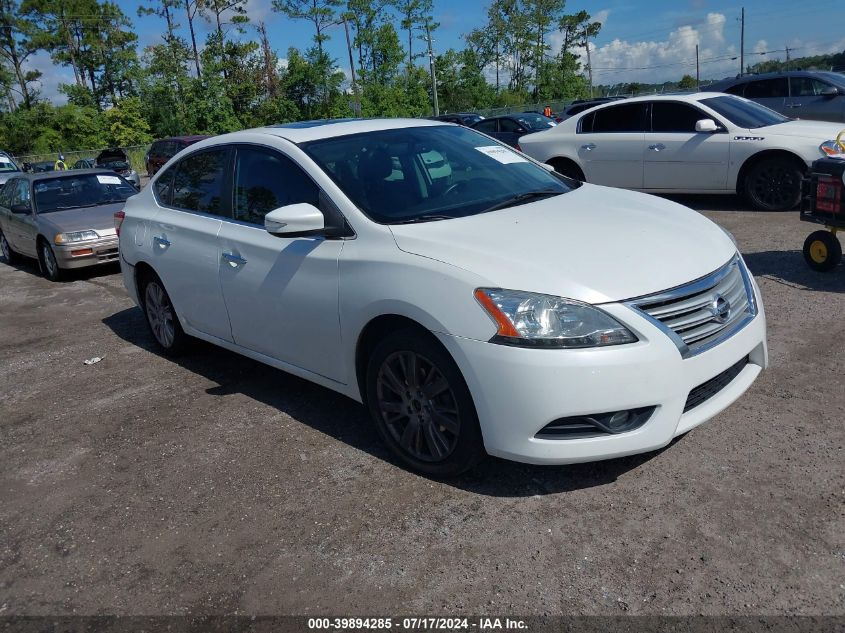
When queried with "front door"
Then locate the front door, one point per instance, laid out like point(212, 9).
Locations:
point(281, 293)
point(806, 100)
point(23, 231)
point(676, 157)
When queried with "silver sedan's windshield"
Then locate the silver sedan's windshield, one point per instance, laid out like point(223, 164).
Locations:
point(74, 192)
point(431, 173)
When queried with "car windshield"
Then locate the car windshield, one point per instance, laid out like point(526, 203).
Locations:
point(535, 121)
point(427, 173)
point(6, 163)
point(73, 192)
point(744, 113)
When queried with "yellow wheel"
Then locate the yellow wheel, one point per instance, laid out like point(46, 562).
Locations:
point(822, 251)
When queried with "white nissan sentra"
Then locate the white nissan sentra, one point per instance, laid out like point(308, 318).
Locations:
point(476, 302)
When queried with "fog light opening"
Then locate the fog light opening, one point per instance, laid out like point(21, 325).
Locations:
point(596, 425)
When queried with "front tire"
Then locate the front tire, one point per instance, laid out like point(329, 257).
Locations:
point(422, 406)
point(822, 251)
point(49, 265)
point(569, 169)
point(161, 317)
point(774, 184)
point(9, 255)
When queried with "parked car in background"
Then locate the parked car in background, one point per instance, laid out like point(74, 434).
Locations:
point(700, 143)
point(65, 219)
point(474, 300)
point(509, 128)
point(802, 94)
point(581, 105)
point(8, 168)
point(84, 163)
point(163, 150)
point(42, 166)
point(117, 160)
point(461, 118)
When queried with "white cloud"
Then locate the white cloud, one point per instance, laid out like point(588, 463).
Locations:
point(601, 16)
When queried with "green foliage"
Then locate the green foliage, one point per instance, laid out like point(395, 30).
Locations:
point(126, 124)
point(687, 82)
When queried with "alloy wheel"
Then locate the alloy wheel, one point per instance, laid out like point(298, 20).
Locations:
point(775, 185)
point(418, 406)
point(160, 314)
point(5, 248)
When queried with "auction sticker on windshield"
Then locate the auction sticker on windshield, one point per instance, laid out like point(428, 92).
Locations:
point(108, 180)
point(501, 154)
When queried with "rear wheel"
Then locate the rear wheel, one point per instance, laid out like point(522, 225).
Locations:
point(774, 184)
point(421, 405)
point(49, 265)
point(161, 317)
point(822, 251)
point(9, 255)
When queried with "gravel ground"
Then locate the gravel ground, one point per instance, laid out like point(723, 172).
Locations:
point(213, 485)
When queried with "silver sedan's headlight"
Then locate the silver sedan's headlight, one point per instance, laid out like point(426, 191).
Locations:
point(529, 319)
point(75, 236)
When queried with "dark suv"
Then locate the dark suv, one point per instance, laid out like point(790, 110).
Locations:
point(162, 151)
point(803, 94)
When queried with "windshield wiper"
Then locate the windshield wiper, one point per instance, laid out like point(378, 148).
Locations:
point(77, 206)
point(426, 217)
point(522, 198)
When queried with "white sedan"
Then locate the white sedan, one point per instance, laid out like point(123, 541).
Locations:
point(699, 143)
point(474, 300)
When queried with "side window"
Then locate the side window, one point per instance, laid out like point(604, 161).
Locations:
point(807, 87)
point(6, 193)
point(628, 117)
point(21, 193)
point(487, 126)
point(738, 90)
point(266, 180)
point(198, 182)
point(508, 125)
point(667, 116)
point(767, 89)
point(163, 187)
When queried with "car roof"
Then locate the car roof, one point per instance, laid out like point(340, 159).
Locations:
point(778, 74)
point(193, 138)
point(305, 131)
point(49, 175)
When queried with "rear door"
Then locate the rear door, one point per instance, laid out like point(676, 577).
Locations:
point(676, 157)
point(806, 100)
point(194, 196)
point(610, 145)
point(510, 132)
point(281, 292)
point(23, 231)
point(771, 93)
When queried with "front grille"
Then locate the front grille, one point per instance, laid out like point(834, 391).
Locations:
point(703, 313)
point(707, 390)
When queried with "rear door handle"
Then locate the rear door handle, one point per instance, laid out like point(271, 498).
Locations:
point(657, 147)
point(161, 241)
point(589, 147)
point(234, 260)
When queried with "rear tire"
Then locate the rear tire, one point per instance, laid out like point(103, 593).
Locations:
point(9, 255)
point(774, 184)
point(161, 317)
point(422, 406)
point(822, 251)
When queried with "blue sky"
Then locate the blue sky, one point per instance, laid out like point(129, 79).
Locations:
point(647, 41)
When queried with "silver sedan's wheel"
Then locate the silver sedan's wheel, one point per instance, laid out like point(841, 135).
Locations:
point(160, 314)
point(8, 254)
point(48, 261)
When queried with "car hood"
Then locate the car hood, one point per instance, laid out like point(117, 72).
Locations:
point(100, 219)
point(820, 131)
point(594, 244)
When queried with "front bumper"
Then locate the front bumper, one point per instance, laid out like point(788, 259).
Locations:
point(519, 391)
point(91, 253)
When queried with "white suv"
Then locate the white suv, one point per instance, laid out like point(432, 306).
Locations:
point(473, 300)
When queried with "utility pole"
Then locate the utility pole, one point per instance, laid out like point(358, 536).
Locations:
point(356, 104)
point(787, 58)
point(433, 72)
point(697, 72)
point(742, 44)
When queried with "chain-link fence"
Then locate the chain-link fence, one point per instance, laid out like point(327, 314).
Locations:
point(134, 153)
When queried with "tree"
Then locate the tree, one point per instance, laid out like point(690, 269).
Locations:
point(16, 46)
point(191, 8)
point(542, 14)
point(126, 124)
point(687, 82)
point(215, 9)
point(415, 15)
point(321, 13)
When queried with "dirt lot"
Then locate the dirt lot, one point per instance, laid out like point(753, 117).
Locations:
point(140, 485)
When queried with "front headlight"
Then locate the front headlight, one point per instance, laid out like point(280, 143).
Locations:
point(75, 236)
point(533, 320)
point(831, 148)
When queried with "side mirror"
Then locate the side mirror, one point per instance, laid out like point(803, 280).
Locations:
point(20, 209)
point(829, 91)
point(294, 220)
point(706, 125)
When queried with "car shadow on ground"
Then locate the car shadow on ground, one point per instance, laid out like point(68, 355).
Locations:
point(789, 267)
point(345, 420)
point(31, 266)
point(710, 202)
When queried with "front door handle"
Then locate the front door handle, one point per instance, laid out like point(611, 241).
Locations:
point(793, 105)
point(234, 260)
point(589, 147)
point(161, 241)
point(657, 147)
